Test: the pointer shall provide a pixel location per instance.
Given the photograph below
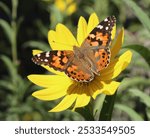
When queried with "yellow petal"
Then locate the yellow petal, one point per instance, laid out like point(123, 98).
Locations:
point(52, 39)
point(66, 6)
point(110, 88)
point(50, 80)
point(34, 52)
point(118, 43)
point(72, 7)
point(51, 93)
point(67, 101)
point(82, 30)
point(63, 38)
point(107, 88)
point(92, 23)
point(82, 98)
point(116, 66)
point(60, 4)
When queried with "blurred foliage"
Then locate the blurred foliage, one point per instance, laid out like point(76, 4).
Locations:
point(23, 27)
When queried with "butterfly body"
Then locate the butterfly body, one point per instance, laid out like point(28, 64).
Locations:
point(86, 61)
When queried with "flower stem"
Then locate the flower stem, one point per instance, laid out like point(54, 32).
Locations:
point(86, 113)
point(14, 31)
point(107, 108)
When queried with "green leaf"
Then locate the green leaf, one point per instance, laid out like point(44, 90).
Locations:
point(19, 22)
point(145, 98)
point(7, 85)
point(7, 29)
point(130, 112)
point(38, 45)
point(148, 112)
point(10, 67)
point(143, 51)
point(140, 14)
point(42, 28)
point(98, 103)
point(132, 82)
point(5, 8)
point(107, 108)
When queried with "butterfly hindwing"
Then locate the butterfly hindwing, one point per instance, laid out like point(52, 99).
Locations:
point(102, 58)
point(77, 71)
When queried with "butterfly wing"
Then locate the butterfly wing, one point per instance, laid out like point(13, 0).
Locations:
point(98, 41)
point(64, 61)
point(102, 58)
point(79, 71)
point(56, 59)
point(98, 58)
point(101, 34)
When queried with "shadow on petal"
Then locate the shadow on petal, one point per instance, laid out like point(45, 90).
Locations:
point(85, 88)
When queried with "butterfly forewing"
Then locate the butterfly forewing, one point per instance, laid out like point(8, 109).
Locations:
point(99, 41)
point(56, 59)
point(101, 34)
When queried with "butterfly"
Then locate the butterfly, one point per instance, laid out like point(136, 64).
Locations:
point(84, 62)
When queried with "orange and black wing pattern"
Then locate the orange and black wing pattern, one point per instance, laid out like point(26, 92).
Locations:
point(101, 34)
point(56, 59)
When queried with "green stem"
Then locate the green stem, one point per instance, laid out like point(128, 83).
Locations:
point(14, 32)
point(107, 108)
point(86, 112)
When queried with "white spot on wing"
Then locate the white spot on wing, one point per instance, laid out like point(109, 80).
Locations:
point(38, 55)
point(46, 60)
point(106, 20)
point(47, 54)
point(100, 26)
point(106, 27)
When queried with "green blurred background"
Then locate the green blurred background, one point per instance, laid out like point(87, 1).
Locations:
point(24, 25)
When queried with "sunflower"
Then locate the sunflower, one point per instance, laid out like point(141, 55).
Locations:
point(74, 94)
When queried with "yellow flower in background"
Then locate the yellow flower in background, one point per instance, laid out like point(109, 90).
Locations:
point(77, 94)
point(66, 6)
